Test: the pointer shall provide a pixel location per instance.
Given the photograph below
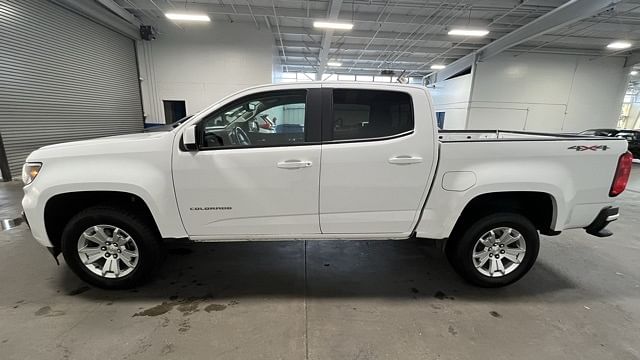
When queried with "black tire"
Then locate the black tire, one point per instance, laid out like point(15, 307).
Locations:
point(461, 247)
point(147, 239)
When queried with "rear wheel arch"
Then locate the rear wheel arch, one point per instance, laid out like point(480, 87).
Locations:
point(60, 208)
point(539, 207)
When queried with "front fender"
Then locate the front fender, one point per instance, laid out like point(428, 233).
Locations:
point(150, 182)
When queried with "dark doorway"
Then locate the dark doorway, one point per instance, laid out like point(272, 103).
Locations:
point(174, 110)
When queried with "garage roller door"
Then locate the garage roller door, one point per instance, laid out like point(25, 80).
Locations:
point(63, 77)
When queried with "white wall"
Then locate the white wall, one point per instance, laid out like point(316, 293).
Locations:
point(202, 63)
point(452, 97)
point(544, 92)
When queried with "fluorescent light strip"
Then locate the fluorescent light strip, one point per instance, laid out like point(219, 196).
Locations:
point(187, 17)
point(619, 45)
point(332, 25)
point(334, 63)
point(468, 32)
point(634, 73)
point(437, 67)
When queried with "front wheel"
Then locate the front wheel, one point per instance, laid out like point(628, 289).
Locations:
point(110, 248)
point(495, 250)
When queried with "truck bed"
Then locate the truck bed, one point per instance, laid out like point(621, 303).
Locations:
point(575, 170)
point(508, 135)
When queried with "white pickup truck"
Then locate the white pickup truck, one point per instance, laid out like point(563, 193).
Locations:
point(344, 161)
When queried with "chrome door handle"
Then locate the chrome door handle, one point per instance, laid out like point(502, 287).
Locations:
point(294, 164)
point(405, 159)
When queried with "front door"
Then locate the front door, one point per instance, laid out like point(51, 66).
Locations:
point(250, 179)
point(376, 161)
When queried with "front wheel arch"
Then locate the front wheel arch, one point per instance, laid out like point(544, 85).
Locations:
point(60, 208)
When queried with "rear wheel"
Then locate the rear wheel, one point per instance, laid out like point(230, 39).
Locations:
point(111, 249)
point(495, 250)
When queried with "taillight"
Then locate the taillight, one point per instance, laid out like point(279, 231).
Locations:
point(622, 174)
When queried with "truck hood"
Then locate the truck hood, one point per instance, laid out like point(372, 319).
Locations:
point(133, 143)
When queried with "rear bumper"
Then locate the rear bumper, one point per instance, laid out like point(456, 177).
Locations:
point(606, 216)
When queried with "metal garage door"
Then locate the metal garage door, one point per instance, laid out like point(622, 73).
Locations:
point(63, 77)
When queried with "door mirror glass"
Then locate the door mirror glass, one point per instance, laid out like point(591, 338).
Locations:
point(189, 138)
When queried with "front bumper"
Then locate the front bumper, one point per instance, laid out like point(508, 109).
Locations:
point(606, 216)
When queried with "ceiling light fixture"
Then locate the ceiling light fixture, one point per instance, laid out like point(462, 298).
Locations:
point(634, 73)
point(332, 25)
point(469, 32)
point(437, 67)
point(187, 17)
point(619, 45)
point(334, 63)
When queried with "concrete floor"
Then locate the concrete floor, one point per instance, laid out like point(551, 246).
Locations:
point(328, 300)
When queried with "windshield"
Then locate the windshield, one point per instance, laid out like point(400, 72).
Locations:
point(168, 127)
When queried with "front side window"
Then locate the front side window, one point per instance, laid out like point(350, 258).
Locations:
point(274, 118)
point(370, 114)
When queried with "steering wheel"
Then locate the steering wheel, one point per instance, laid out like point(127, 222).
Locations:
point(240, 137)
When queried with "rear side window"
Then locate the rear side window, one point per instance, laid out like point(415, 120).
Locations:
point(370, 114)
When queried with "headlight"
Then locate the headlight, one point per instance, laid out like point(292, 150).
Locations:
point(30, 171)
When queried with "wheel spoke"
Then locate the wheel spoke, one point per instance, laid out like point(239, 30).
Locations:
point(509, 239)
point(487, 241)
point(100, 233)
point(127, 262)
point(514, 251)
point(478, 254)
point(92, 253)
point(500, 266)
point(493, 267)
point(89, 250)
point(115, 266)
point(482, 259)
point(128, 254)
point(111, 266)
point(514, 255)
point(106, 267)
point(496, 268)
point(94, 238)
point(114, 235)
point(512, 258)
point(125, 240)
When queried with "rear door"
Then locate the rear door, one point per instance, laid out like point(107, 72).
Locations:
point(377, 157)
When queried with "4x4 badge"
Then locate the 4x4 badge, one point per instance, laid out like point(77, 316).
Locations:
point(588, 147)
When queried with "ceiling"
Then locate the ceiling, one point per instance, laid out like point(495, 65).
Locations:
point(401, 35)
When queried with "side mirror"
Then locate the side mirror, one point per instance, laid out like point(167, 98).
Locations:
point(189, 138)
